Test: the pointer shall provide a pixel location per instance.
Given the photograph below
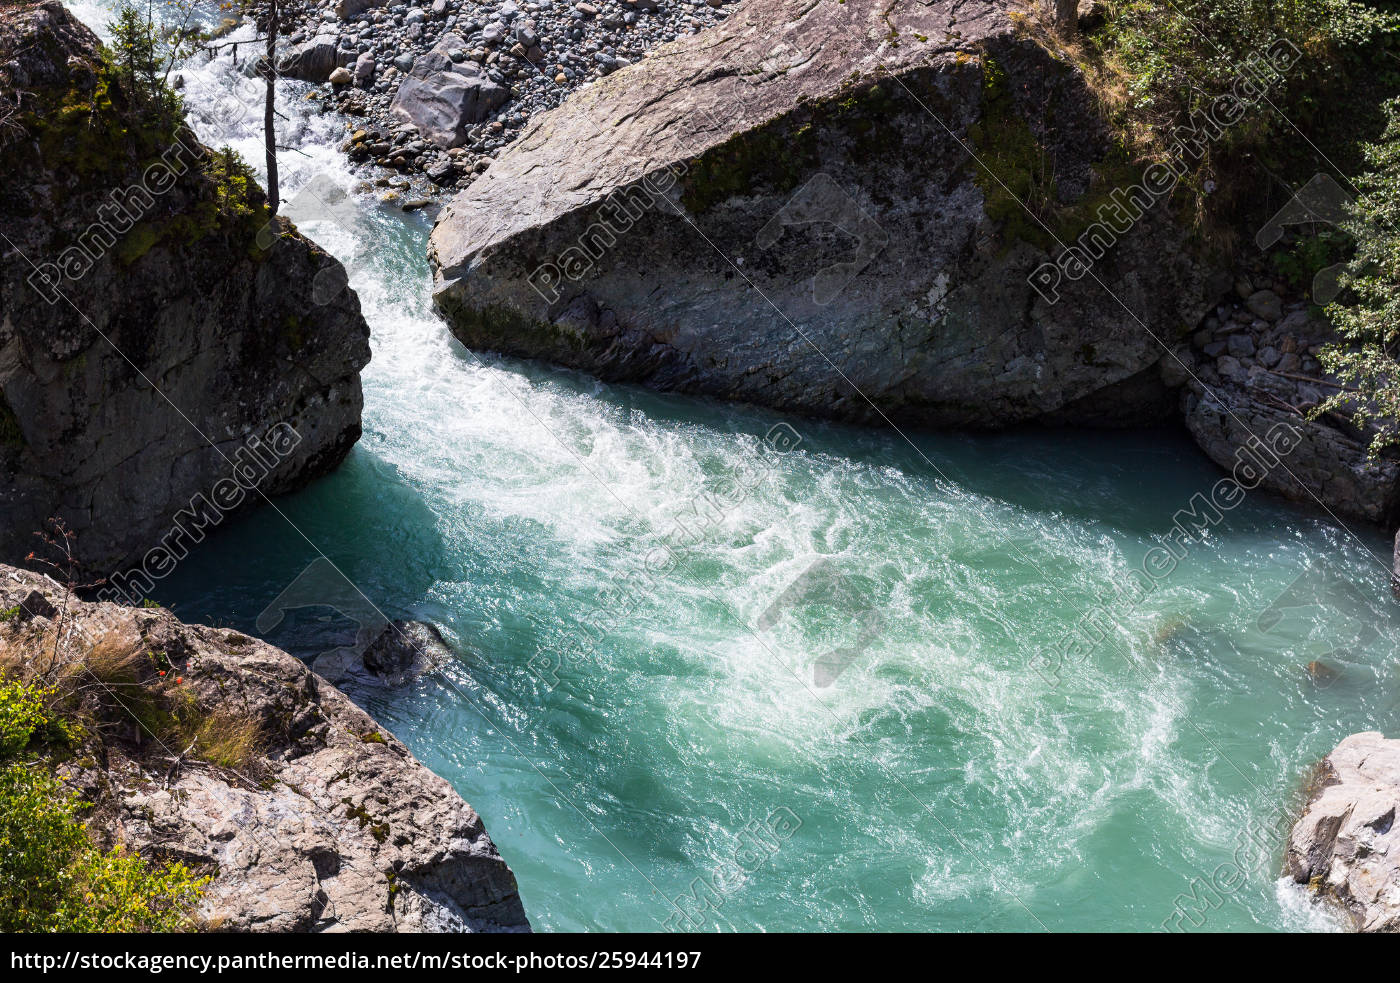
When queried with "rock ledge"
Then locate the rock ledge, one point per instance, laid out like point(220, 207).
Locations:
point(1346, 845)
point(331, 824)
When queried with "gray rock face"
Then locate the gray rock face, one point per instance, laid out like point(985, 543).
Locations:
point(1395, 569)
point(1328, 466)
point(443, 98)
point(1346, 845)
point(784, 210)
point(149, 335)
point(339, 828)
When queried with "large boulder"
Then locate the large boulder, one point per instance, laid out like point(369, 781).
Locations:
point(312, 61)
point(1346, 845)
point(329, 824)
point(443, 98)
point(166, 348)
point(814, 206)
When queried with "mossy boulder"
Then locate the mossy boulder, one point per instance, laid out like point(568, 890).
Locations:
point(830, 208)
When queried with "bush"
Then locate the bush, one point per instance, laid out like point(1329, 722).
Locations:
point(39, 840)
point(23, 710)
point(52, 879)
point(121, 892)
point(1158, 65)
point(1368, 321)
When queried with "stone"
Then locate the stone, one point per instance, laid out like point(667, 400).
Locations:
point(443, 98)
point(350, 9)
point(400, 653)
point(313, 61)
point(28, 606)
point(405, 650)
point(1321, 464)
point(1265, 304)
point(442, 172)
point(364, 69)
point(342, 830)
point(1228, 366)
point(1395, 568)
point(404, 62)
point(1240, 345)
point(1346, 844)
point(341, 77)
point(913, 311)
point(1322, 674)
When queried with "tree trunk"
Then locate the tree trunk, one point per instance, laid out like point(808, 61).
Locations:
point(1062, 15)
point(269, 110)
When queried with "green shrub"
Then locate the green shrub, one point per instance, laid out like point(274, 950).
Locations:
point(52, 879)
point(39, 840)
point(1159, 65)
point(23, 710)
point(120, 892)
point(1368, 318)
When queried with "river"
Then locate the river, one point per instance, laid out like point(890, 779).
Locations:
point(941, 770)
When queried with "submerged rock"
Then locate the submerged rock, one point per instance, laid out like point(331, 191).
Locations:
point(1322, 674)
point(402, 652)
point(330, 824)
point(1346, 845)
point(791, 209)
point(165, 348)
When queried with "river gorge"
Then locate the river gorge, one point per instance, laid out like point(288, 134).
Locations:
point(882, 677)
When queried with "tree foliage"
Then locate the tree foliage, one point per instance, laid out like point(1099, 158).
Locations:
point(1368, 318)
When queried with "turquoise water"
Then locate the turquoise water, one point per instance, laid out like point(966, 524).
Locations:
point(944, 779)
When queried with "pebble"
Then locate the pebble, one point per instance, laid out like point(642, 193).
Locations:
point(1265, 304)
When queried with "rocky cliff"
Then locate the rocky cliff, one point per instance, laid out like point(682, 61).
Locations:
point(159, 334)
point(308, 814)
point(817, 207)
point(1346, 845)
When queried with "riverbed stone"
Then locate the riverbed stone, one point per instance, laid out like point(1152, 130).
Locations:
point(442, 98)
point(1265, 304)
point(313, 61)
